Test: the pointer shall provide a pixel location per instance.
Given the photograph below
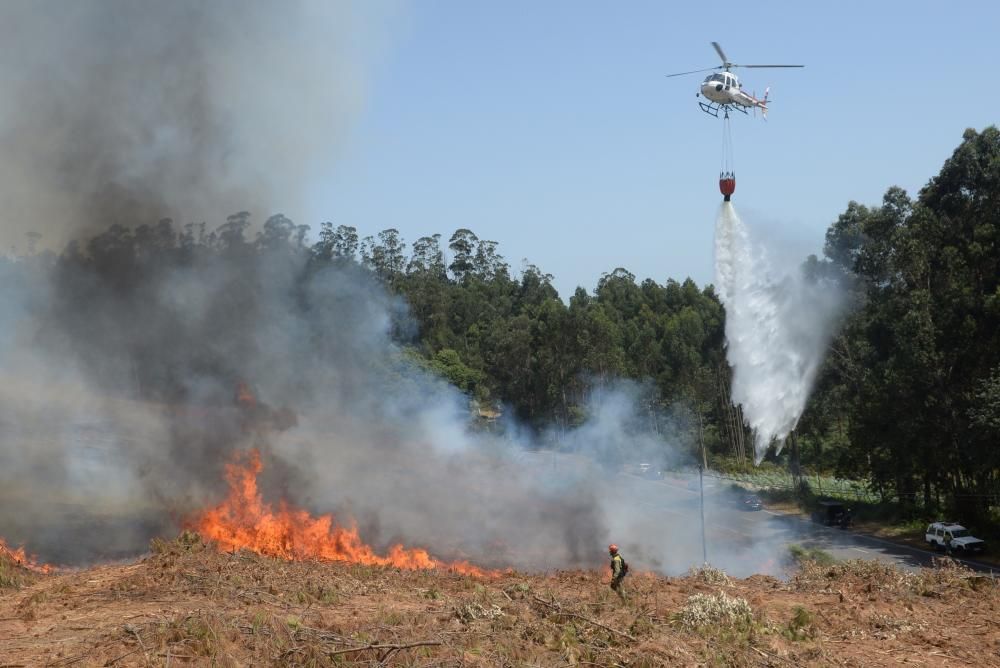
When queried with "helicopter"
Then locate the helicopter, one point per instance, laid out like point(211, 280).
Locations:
point(723, 90)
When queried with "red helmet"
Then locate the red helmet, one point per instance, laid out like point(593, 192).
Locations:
point(613, 549)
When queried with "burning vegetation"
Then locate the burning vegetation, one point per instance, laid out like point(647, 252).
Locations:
point(244, 521)
point(17, 569)
point(12, 559)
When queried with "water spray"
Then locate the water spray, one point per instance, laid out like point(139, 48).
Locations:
point(778, 324)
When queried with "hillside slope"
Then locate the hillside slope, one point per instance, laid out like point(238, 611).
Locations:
point(187, 604)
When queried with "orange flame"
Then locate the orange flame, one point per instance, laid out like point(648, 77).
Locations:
point(23, 559)
point(244, 521)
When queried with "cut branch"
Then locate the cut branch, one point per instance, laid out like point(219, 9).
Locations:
point(391, 648)
point(558, 608)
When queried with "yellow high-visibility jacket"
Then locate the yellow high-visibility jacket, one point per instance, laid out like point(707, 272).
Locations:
point(616, 566)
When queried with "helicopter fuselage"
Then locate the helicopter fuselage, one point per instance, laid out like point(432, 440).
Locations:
point(724, 88)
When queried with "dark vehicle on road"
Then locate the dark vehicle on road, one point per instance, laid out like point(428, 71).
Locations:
point(832, 514)
point(749, 502)
point(648, 471)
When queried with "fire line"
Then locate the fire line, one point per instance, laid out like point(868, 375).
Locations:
point(20, 557)
point(245, 521)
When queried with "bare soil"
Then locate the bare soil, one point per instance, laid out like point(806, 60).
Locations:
point(187, 604)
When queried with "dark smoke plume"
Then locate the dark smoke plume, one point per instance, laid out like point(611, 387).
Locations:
point(122, 356)
point(129, 111)
point(149, 349)
point(161, 358)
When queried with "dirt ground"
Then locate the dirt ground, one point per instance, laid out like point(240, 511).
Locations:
point(187, 604)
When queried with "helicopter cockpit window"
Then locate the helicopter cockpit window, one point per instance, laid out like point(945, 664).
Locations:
point(718, 77)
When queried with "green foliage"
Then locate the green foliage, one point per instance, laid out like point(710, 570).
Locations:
point(910, 395)
point(449, 365)
point(801, 625)
point(985, 410)
point(512, 341)
point(799, 555)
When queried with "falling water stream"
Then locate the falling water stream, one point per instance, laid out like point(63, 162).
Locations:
point(778, 325)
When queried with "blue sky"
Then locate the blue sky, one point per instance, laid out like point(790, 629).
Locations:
point(550, 127)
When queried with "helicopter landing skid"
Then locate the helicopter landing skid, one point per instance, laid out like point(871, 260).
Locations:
point(713, 108)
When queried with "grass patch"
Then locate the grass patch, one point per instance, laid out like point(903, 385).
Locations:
point(906, 528)
point(800, 555)
point(27, 609)
point(11, 575)
point(801, 626)
point(703, 611)
point(200, 635)
point(779, 496)
point(710, 575)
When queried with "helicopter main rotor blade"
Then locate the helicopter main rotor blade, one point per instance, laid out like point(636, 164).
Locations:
point(718, 50)
point(768, 65)
point(707, 69)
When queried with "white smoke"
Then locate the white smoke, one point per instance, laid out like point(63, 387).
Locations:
point(91, 467)
point(778, 325)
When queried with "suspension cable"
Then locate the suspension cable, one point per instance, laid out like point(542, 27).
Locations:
point(727, 167)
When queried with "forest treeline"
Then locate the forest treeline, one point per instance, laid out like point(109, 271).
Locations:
point(908, 398)
point(910, 395)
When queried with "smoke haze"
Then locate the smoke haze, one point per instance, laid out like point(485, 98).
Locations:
point(119, 412)
point(123, 356)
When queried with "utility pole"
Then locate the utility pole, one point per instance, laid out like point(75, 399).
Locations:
point(794, 464)
point(701, 484)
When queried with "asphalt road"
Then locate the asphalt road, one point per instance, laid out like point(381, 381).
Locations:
point(744, 542)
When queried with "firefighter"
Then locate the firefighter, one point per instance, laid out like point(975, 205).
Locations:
point(619, 569)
